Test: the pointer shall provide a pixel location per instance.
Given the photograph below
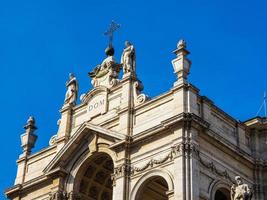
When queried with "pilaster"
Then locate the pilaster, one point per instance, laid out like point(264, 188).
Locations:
point(65, 124)
point(121, 182)
point(127, 105)
point(186, 165)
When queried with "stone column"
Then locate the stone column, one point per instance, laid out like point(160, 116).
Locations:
point(179, 178)
point(186, 169)
point(192, 152)
point(121, 182)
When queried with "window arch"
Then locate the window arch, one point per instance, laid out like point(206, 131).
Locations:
point(94, 180)
point(220, 191)
point(222, 194)
point(156, 184)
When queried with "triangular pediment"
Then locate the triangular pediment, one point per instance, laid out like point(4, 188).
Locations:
point(83, 135)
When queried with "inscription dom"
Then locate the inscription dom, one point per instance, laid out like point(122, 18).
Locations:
point(96, 105)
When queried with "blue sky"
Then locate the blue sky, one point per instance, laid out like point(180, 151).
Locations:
point(42, 41)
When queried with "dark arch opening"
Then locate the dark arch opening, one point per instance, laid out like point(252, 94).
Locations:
point(155, 188)
point(96, 181)
point(222, 194)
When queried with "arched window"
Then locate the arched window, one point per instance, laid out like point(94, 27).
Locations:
point(155, 188)
point(222, 194)
point(96, 182)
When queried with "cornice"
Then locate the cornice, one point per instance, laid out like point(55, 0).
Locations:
point(182, 117)
point(19, 188)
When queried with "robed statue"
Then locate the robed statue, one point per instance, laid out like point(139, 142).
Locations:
point(72, 90)
point(240, 191)
point(128, 58)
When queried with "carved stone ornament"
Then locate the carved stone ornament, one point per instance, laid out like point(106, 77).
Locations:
point(62, 195)
point(58, 195)
point(188, 149)
point(153, 162)
point(107, 72)
point(53, 140)
point(139, 97)
point(122, 170)
point(240, 190)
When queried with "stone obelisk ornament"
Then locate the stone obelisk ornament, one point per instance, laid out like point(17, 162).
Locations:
point(128, 58)
point(72, 90)
point(106, 73)
point(240, 190)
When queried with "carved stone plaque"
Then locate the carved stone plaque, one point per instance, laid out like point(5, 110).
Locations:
point(97, 105)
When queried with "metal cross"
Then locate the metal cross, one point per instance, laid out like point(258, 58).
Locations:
point(112, 28)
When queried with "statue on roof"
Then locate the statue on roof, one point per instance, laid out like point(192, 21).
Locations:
point(240, 190)
point(72, 90)
point(128, 59)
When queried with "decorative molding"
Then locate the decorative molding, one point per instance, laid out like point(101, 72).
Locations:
point(58, 195)
point(85, 98)
point(189, 117)
point(53, 140)
point(122, 170)
point(153, 162)
point(139, 97)
point(175, 152)
point(63, 195)
point(184, 148)
point(190, 148)
point(212, 167)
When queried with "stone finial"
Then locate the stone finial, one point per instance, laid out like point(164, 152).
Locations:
point(28, 138)
point(181, 64)
point(30, 123)
point(181, 44)
point(240, 190)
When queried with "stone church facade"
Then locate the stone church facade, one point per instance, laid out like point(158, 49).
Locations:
point(119, 144)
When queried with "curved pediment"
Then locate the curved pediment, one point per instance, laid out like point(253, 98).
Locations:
point(97, 101)
point(88, 134)
point(85, 98)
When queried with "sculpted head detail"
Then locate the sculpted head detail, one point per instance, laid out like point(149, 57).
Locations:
point(238, 180)
point(127, 43)
point(71, 75)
